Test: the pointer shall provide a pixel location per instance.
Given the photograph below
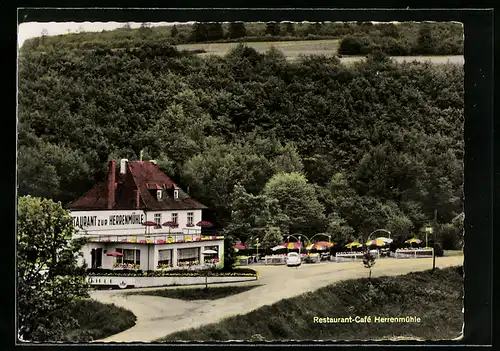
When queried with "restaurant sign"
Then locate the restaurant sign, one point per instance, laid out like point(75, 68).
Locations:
point(88, 219)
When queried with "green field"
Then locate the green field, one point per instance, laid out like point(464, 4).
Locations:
point(190, 294)
point(435, 298)
point(291, 49)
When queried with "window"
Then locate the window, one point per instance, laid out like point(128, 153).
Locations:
point(158, 218)
point(211, 258)
point(164, 257)
point(176, 194)
point(129, 256)
point(174, 217)
point(190, 217)
point(190, 256)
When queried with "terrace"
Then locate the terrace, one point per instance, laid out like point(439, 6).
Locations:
point(157, 238)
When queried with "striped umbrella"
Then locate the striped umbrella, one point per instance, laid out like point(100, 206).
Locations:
point(375, 242)
point(385, 240)
point(322, 245)
point(278, 247)
point(292, 245)
point(413, 240)
point(353, 244)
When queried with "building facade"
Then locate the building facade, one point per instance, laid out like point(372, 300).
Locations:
point(139, 218)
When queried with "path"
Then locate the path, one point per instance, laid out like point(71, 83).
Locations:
point(159, 316)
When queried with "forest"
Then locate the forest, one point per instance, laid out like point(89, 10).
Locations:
point(270, 146)
point(357, 38)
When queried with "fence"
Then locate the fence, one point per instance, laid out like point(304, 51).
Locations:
point(414, 253)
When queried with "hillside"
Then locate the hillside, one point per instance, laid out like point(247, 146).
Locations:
point(357, 38)
point(435, 298)
point(380, 143)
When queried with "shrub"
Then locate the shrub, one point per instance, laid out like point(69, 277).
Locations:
point(438, 250)
point(97, 320)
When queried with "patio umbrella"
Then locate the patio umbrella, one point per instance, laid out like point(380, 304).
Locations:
point(322, 245)
point(204, 224)
point(292, 245)
point(375, 242)
point(114, 253)
point(209, 252)
point(413, 240)
point(385, 240)
point(239, 246)
point(278, 247)
point(353, 244)
point(150, 224)
point(170, 225)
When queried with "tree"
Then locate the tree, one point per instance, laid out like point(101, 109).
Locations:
point(289, 160)
point(49, 274)
point(338, 228)
point(145, 29)
point(199, 32)
point(237, 30)
point(369, 262)
point(297, 199)
point(273, 236)
point(272, 28)
point(214, 31)
point(290, 28)
point(426, 44)
point(44, 33)
point(253, 216)
point(174, 31)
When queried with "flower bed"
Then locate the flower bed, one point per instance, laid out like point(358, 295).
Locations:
point(171, 273)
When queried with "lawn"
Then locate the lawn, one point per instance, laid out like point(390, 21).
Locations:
point(98, 320)
point(190, 294)
point(292, 49)
point(453, 253)
point(433, 297)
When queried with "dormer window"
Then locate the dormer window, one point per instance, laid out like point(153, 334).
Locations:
point(176, 194)
point(159, 195)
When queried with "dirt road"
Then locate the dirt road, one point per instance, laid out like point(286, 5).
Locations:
point(159, 316)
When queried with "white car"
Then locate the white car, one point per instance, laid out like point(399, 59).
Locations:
point(293, 260)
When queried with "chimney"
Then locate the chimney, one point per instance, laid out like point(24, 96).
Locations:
point(123, 166)
point(111, 184)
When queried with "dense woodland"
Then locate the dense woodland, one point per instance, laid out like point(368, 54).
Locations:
point(271, 146)
point(358, 38)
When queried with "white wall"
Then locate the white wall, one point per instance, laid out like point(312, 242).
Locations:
point(166, 216)
point(142, 282)
point(145, 249)
point(101, 222)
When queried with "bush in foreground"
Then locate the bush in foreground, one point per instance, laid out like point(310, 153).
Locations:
point(434, 297)
point(98, 320)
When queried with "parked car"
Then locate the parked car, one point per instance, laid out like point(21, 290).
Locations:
point(293, 260)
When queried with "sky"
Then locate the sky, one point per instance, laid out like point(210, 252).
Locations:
point(34, 29)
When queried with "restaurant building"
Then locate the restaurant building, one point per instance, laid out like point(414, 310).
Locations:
point(139, 218)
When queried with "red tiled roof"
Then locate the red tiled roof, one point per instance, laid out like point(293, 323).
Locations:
point(144, 176)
